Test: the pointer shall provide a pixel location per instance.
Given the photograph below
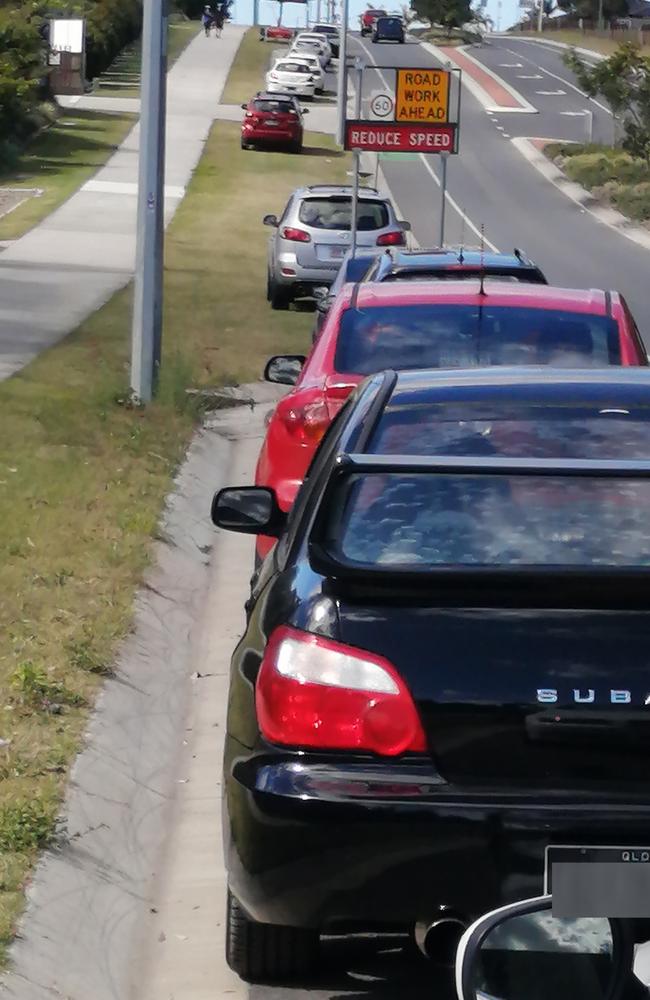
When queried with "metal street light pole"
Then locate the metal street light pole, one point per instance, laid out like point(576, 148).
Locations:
point(146, 330)
point(343, 74)
point(540, 15)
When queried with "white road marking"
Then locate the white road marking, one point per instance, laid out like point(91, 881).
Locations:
point(501, 128)
point(454, 204)
point(561, 80)
point(505, 135)
point(511, 65)
point(529, 76)
point(575, 114)
point(551, 93)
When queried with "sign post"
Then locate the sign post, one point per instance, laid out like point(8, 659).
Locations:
point(358, 66)
point(420, 117)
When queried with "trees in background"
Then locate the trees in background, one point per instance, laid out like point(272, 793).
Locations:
point(449, 13)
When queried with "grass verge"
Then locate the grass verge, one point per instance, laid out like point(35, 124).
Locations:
point(606, 46)
point(122, 78)
point(60, 160)
point(612, 175)
point(247, 73)
point(83, 477)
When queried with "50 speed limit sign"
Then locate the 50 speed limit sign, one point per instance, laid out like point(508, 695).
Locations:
point(382, 105)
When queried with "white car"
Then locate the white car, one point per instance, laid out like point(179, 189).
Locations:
point(316, 38)
point(292, 76)
point(331, 33)
point(312, 60)
point(314, 47)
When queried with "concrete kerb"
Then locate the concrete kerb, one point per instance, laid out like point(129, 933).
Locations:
point(607, 216)
point(88, 905)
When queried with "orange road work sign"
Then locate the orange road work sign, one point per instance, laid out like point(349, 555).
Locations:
point(422, 95)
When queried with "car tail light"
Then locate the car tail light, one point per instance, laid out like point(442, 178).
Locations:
point(396, 239)
point(307, 421)
point(296, 235)
point(315, 692)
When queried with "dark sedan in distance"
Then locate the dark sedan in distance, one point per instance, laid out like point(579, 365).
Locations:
point(444, 668)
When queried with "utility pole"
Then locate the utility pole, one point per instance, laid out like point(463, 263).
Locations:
point(343, 74)
point(601, 20)
point(540, 15)
point(146, 330)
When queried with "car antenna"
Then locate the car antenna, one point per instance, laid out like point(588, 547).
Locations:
point(461, 255)
point(481, 289)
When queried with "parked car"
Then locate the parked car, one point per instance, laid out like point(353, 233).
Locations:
point(320, 43)
point(313, 234)
point(310, 46)
point(368, 19)
point(444, 325)
point(445, 661)
point(273, 119)
point(388, 29)
point(276, 33)
point(312, 59)
point(333, 37)
point(438, 265)
point(352, 269)
point(292, 76)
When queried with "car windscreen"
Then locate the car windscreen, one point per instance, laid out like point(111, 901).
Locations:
point(267, 106)
point(442, 335)
point(326, 29)
point(432, 519)
point(336, 213)
point(512, 430)
point(292, 67)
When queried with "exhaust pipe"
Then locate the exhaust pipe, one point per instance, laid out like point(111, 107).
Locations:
point(438, 939)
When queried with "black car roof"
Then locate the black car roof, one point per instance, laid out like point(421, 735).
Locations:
point(543, 384)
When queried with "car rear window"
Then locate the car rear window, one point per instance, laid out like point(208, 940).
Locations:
point(389, 22)
point(417, 520)
point(513, 430)
point(465, 273)
point(285, 107)
point(292, 67)
point(438, 335)
point(336, 213)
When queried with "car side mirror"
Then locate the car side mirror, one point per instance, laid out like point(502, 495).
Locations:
point(252, 510)
point(304, 111)
point(320, 293)
point(284, 368)
point(244, 107)
point(270, 220)
point(406, 226)
point(522, 950)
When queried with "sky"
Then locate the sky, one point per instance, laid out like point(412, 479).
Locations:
point(294, 13)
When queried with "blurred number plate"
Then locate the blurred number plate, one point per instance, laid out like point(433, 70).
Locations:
point(325, 252)
point(598, 881)
point(270, 121)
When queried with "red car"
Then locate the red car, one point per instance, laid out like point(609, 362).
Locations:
point(276, 33)
point(371, 327)
point(273, 120)
point(368, 19)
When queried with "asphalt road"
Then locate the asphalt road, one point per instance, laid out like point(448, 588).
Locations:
point(492, 186)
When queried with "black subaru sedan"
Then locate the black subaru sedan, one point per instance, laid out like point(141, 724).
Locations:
point(444, 674)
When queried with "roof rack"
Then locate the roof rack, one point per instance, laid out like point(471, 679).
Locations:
point(329, 187)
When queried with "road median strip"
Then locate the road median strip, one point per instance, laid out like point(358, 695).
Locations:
point(493, 93)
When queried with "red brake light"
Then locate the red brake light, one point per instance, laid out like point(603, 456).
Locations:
point(315, 692)
point(297, 235)
point(307, 421)
point(396, 239)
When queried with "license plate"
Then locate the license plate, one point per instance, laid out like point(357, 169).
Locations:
point(271, 122)
point(598, 881)
point(328, 252)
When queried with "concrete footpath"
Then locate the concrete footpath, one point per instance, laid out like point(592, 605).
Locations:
point(71, 263)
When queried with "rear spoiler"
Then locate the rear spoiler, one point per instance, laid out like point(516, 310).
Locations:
point(598, 587)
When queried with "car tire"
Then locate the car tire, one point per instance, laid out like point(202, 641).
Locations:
point(296, 147)
point(279, 297)
point(266, 953)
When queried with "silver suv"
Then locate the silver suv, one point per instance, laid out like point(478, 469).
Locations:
point(313, 235)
